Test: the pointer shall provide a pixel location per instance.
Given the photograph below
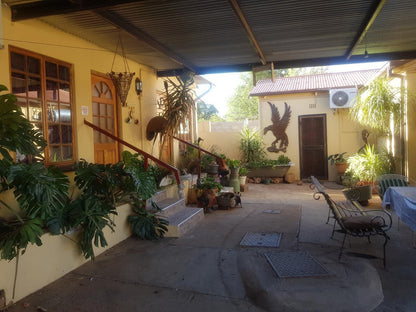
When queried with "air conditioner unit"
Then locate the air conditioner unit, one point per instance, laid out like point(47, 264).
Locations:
point(342, 98)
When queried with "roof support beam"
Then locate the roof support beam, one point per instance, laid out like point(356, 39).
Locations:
point(326, 61)
point(247, 27)
point(139, 34)
point(53, 7)
point(365, 26)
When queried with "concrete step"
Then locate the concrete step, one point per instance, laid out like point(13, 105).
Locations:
point(181, 218)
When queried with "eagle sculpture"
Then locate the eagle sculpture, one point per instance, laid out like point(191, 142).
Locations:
point(278, 128)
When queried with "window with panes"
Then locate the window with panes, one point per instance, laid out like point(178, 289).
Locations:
point(43, 89)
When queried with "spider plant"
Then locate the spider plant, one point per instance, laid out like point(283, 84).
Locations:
point(378, 105)
point(177, 102)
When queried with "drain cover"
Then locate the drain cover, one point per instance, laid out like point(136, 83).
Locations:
point(271, 211)
point(295, 264)
point(261, 239)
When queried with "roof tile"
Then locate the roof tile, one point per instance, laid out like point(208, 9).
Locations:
point(310, 83)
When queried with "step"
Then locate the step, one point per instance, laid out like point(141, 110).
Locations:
point(181, 218)
point(184, 220)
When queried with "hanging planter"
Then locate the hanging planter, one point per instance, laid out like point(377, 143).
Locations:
point(121, 80)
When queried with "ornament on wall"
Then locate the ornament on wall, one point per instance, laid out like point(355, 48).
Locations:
point(121, 80)
point(278, 128)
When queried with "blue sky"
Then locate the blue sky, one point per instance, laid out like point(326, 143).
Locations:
point(224, 84)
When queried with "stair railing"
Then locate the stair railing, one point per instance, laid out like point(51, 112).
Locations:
point(218, 158)
point(145, 155)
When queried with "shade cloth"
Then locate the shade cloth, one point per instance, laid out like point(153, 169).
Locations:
point(403, 201)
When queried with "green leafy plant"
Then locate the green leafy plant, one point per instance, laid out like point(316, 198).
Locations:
point(92, 215)
point(368, 165)
point(209, 183)
point(337, 158)
point(251, 146)
point(146, 224)
point(243, 171)
point(283, 160)
point(233, 163)
point(378, 104)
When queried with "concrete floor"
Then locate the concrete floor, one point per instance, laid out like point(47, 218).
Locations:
point(208, 269)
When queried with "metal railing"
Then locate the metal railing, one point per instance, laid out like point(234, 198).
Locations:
point(219, 159)
point(145, 155)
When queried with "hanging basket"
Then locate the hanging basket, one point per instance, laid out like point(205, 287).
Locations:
point(122, 82)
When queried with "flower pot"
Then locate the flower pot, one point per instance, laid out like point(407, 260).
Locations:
point(362, 194)
point(341, 167)
point(212, 169)
point(243, 180)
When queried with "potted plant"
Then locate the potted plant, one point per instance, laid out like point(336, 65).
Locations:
point(243, 176)
point(207, 190)
point(363, 169)
point(339, 161)
point(270, 168)
point(234, 165)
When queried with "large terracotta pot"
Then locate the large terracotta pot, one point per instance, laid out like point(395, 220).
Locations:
point(341, 167)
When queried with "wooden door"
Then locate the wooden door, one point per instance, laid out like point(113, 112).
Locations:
point(312, 146)
point(104, 116)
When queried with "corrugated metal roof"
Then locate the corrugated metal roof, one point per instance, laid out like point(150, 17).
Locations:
point(311, 83)
point(208, 35)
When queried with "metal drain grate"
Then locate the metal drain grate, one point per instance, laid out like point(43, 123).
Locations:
point(261, 239)
point(271, 211)
point(295, 264)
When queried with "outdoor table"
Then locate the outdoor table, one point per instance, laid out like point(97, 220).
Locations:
point(403, 200)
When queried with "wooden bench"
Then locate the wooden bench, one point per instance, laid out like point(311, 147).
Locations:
point(353, 220)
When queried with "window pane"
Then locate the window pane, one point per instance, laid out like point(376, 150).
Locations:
point(66, 134)
point(65, 113)
point(51, 90)
point(64, 92)
point(23, 105)
point(51, 70)
point(103, 123)
point(54, 134)
point(33, 65)
point(95, 109)
point(102, 109)
point(53, 112)
point(34, 87)
point(63, 73)
point(54, 153)
point(35, 110)
point(18, 61)
point(110, 125)
point(67, 152)
point(110, 110)
point(18, 84)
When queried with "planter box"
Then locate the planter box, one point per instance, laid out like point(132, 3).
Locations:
point(269, 172)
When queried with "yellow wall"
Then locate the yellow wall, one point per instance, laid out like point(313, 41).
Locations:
point(227, 143)
point(343, 135)
point(58, 255)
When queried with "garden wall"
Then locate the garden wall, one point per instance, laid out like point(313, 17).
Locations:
point(224, 137)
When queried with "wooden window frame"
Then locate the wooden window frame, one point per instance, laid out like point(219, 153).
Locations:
point(58, 102)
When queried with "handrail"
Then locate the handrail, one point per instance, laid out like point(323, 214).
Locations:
point(219, 158)
point(146, 155)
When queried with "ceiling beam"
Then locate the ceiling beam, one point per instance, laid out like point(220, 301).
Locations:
point(247, 27)
point(326, 61)
point(55, 7)
point(140, 35)
point(365, 26)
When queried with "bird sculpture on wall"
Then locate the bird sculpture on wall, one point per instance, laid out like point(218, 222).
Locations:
point(278, 128)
